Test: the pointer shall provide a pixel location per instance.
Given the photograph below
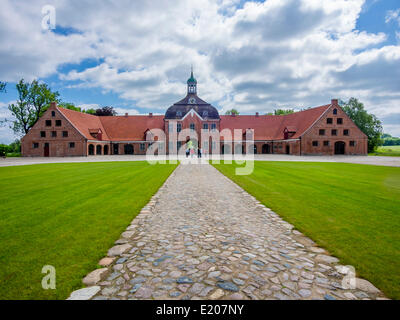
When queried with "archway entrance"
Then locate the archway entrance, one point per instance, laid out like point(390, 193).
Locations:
point(115, 148)
point(128, 148)
point(105, 150)
point(266, 149)
point(98, 150)
point(91, 150)
point(340, 147)
point(287, 149)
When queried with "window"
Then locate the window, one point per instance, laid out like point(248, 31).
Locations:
point(53, 113)
point(54, 134)
point(142, 146)
point(65, 134)
point(334, 132)
point(329, 120)
point(321, 132)
point(58, 123)
point(178, 127)
point(315, 143)
point(205, 126)
point(326, 143)
point(205, 114)
point(48, 123)
point(352, 143)
point(334, 111)
point(72, 145)
point(346, 132)
point(43, 134)
point(213, 126)
point(192, 126)
point(179, 145)
point(35, 145)
point(339, 121)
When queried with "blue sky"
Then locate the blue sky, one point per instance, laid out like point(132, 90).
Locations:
point(253, 56)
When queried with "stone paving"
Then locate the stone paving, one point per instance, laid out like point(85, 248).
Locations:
point(203, 237)
point(371, 160)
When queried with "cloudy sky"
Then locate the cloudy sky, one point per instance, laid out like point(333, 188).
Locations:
point(253, 56)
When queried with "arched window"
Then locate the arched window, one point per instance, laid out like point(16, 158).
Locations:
point(334, 111)
point(128, 148)
point(91, 150)
point(98, 149)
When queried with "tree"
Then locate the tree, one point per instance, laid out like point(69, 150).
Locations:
point(231, 112)
point(279, 112)
point(15, 147)
point(388, 140)
point(2, 86)
point(33, 100)
point(91, 111)
point(69, 105)
point(368, 123)
point(105, 111)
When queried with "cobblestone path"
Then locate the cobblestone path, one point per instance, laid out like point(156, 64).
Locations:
point(203, 237)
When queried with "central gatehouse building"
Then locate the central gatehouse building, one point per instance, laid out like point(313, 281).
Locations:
point(324, 130)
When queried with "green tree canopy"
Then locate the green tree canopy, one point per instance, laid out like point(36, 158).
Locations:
point(33, 100)
point(69, 105)
point(2, 86)
point(231, 112)
point(105, 111)
point(279, 112)
point(368, 123)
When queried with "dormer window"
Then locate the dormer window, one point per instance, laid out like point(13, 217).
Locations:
point(205, 114)
point(179, 113)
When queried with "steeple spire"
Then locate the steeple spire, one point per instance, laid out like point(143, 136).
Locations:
point(192, 82)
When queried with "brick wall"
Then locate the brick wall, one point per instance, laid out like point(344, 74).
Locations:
point(314, 135)
point(33, 144)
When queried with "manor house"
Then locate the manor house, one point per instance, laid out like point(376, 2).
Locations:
point(324, 130)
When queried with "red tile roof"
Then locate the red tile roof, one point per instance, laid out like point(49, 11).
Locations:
point(133, 128)
point(84, 122)
point(272, 127)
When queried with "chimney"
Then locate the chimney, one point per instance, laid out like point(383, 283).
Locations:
point(335, 102)
point(53, 104)
point(126, 114)
point(257, 114)
point(150, 114)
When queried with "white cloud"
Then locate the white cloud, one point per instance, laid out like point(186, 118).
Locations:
point(254, 58)
point(393, 15)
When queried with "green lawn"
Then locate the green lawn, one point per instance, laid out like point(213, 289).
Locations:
point(351, 210)
point(67, 216)
point(389, 151)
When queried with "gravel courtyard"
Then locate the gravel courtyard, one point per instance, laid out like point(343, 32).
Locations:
point(203, 237)
point(372, 160)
